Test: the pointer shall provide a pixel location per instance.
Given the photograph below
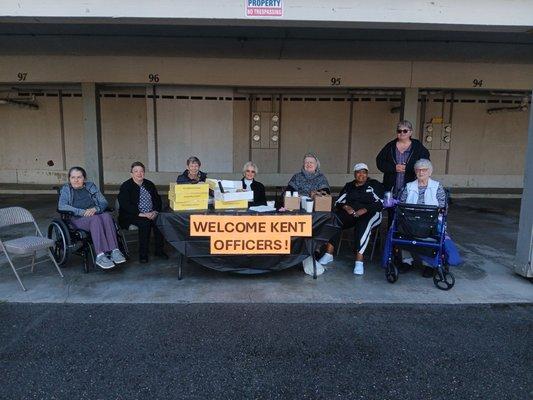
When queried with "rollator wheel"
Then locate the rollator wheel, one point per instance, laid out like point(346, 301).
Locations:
point(444, 280)
point(58, 232)
point(391, 272)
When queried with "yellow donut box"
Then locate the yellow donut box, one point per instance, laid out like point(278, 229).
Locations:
point(188, 197)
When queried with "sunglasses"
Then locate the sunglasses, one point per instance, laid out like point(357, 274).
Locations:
point(249, 170)
point(403, 130)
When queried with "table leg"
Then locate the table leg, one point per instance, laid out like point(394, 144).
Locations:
point(314, 265)
point(180, 266)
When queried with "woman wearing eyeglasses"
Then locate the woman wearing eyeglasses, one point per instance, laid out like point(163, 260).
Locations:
point(397, 159)
point(249, 171)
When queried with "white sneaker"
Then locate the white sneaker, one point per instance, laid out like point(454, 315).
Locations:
point(117, 257)
point(104, 262)
point(326, 259)
point(358, 269)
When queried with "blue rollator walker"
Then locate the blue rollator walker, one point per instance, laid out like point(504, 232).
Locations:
point(421, 230)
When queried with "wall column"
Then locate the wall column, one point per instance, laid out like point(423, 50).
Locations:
point(525, 229)
point(92, 134)
point(409, 110)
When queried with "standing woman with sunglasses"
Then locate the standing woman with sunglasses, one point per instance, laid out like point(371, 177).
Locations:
point(249, 171)
point(398, 157)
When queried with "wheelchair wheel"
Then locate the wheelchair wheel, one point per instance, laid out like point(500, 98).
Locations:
point(88, 256)
point(122, 244)
point(443, 279)
point(391, 272)
point(58, 232)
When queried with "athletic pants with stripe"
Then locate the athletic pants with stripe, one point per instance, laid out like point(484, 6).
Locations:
point(363, 227)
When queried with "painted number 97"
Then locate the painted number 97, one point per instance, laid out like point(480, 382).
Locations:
point(21, 76)
point(153, 78)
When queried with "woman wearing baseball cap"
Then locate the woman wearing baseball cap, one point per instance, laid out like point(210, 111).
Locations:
point(359, 206)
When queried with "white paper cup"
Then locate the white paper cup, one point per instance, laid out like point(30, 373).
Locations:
point(294, 194)
point(271, 203)
point(309, 206)
point(288, 193)
point(303, 200)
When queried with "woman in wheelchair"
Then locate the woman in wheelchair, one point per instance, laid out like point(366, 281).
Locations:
point(84, 201)
point(424, 190)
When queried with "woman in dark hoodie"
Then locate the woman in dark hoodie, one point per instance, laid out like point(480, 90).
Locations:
point(397, 159)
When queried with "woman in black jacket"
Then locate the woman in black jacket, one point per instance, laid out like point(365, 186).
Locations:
point(249, 171)
point(139, 205)
point(192, 174)
point(397, 159)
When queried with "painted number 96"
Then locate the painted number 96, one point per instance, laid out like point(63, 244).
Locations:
point(153, 78)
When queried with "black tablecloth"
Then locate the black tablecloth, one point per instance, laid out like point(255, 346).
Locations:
point(175, 228)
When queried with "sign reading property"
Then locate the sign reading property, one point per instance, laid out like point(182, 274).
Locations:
point(251, 234)
point(264, 8)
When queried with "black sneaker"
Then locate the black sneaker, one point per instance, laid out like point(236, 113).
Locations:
point(143, 259)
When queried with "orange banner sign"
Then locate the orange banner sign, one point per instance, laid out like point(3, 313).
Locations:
point(251, 234)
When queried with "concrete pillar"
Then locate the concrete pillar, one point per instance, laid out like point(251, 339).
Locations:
point(524, 245)
point(92, 134)
point(409, 110)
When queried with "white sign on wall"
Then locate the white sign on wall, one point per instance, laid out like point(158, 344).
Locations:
point(264, 8)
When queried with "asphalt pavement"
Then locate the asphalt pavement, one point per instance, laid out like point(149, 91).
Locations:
point(265, 351)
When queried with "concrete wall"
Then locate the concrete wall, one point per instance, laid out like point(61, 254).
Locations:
point(486, 150)
point(200, 125)
point(269, 73)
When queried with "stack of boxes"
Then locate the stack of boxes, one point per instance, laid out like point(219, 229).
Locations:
point(188, 197)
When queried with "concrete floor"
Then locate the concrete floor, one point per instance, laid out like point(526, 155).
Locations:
point(484, 229)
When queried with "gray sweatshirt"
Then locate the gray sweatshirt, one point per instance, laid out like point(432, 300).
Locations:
point(66, 196)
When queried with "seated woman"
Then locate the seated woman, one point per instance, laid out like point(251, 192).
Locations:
point(139, 205)
point(424, 190)
point(359, 205)
point(87, 204)
point(309, 180)
point(249, 170)
point(192, 174)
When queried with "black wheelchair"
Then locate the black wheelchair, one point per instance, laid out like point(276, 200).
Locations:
point(70, 240)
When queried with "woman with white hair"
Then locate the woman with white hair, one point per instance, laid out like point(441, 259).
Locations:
point(249, 172)
point(427, 191)
point(424, 190)
point(310, 179)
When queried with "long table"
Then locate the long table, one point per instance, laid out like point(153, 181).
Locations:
point(175, 227)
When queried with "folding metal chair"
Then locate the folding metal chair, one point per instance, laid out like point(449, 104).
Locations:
point(375, 236)
point(26, 244)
